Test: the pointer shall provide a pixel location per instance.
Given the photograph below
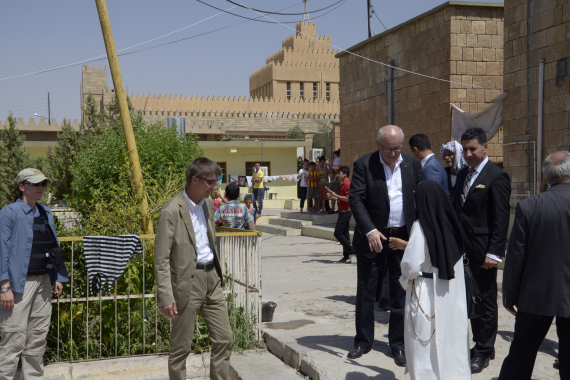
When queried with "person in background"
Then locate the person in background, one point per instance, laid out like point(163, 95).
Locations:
point(421, 149)
point(248, 203)
point(313, 186)
point(436, 329)
point(334, 180)
point(536, 278)
point(302, 175)
point(257, 178)
point(342, 228)
point(30, 261)
point(218, 199)
point(234, 214)
point(323, 183)
point(452, 154)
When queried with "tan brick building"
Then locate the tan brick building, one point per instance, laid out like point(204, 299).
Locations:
point(550, 42)
point(457, 41)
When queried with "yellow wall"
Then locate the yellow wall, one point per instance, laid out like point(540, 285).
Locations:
point(283, 161)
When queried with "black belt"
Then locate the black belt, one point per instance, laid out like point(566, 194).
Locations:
point(395, 230)
point(205, 266)
point(427, 275)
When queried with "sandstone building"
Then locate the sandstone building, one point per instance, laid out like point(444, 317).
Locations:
point(457, 41)
point(549, 46)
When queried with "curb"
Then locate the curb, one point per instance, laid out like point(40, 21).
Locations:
point(292, 354)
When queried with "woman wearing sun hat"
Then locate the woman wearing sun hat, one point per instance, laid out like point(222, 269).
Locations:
point(30, 261)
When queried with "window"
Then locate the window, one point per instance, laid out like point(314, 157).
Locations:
point(302, 91)
point(288, 90)
point(249, 167)
point(222, 166)
point(328, 89)
point(315, 90)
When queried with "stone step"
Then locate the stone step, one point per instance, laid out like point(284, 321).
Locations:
point(315, 218)
point(321, 232)
point(278, 230)
point(264, 219)
point(260, 366)
point(292, 223)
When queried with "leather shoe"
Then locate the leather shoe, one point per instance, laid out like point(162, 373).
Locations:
point(399, 358)
point(472, 354)
point(479, 363)
point(357, 352)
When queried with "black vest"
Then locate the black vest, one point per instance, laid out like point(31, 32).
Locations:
point(44, 239)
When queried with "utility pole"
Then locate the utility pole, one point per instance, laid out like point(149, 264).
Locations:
point(124, 111)
point(368, 17)
point(49, 112)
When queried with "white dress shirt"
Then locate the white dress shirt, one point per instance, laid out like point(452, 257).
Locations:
point(395, 194)
point(478, 169)
point(200, 225)
point(426, 158)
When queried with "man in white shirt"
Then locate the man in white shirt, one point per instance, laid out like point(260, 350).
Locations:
point(188, 273)
point(381, 198)
point(481, 200)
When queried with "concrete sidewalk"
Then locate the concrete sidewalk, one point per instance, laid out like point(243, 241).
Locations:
point(313, 325)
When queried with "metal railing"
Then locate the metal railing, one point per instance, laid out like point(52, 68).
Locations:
point(120, 324)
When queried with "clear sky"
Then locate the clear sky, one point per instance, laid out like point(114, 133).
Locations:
point(38, 35)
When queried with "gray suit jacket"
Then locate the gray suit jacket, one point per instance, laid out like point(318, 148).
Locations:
point(537, 269)
point(175, 254)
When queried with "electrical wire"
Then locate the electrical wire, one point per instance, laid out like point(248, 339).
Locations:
point(24, 108)
point(284, 14)
point(374, 13)
point(24, 101)
point(369, 59)
point(105, 56)
point(247, 18)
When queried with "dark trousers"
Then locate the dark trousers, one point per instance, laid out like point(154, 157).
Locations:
point(342, 233)
point(258, 198)
point(369, 271)
point(485, 327)
point(303, 196)
point(530, 330)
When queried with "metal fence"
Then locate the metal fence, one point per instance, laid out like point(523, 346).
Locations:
point(127, 321)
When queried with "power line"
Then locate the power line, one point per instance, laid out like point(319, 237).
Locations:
point(371, 60)
point(284, 14)
point(248, 18)
point(374, 13)
point(24, 101)
point(24, 108)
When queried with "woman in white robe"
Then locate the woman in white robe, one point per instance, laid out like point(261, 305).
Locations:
point(436, 331)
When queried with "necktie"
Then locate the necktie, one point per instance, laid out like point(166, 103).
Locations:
point(466, 185)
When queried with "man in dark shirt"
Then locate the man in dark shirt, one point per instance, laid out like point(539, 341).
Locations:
point(341, 231)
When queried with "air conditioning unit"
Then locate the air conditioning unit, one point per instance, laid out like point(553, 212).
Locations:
point(314, 154)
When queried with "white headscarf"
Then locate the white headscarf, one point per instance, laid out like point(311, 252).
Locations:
point(458, 160)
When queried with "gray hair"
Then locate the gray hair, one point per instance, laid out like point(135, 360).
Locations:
point(382, 132)
point(201, 167)
point(557, 169)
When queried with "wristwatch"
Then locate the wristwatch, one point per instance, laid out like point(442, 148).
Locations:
point(5, 289)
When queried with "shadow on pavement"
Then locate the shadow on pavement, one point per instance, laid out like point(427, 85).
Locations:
point(348, 299)
point(548, 346)
point(320, 261)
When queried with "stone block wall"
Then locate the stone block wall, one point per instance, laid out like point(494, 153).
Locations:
point(460, 43)
point(549, 40)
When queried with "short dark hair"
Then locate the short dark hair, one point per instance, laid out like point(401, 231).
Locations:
point(322, 158)
point(420, 141)
point(232, 191)
point(256, 162)
point(305, 160)
point(474, 133)
point(337, 152)
point(312, 163)
point(201, 167)
point(344, 169)
point(248, 196)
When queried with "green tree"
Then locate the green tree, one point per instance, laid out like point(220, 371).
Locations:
point(296, 133)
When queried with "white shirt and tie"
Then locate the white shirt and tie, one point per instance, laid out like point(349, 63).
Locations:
point(476, 172)
point(200, 224)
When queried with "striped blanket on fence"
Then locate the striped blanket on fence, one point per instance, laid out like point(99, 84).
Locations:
point(106, 258)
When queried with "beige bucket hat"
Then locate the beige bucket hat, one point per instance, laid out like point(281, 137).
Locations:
point(32, 176)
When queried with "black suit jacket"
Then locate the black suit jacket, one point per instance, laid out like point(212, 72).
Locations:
point(537, 270)
point(484, 218)
point(368, 196)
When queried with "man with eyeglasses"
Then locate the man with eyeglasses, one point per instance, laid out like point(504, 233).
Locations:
point(30, 261)
point(188, 272)
point(381, 198)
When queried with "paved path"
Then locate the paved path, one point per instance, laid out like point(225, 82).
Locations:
point(313, 326)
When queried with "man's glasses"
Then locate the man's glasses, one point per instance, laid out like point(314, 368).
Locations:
point(42, 184)
point(394, 150)
point(209, 182)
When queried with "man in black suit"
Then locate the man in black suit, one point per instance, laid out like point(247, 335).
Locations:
point(536, 280)
point(481, 200)
point(382, 201)
point(432, 169)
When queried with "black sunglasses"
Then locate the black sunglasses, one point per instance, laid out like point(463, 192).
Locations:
point(43, 184)
point(209, 182)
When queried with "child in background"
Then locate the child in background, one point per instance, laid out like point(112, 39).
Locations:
point(313, 187)
point(234, 214)
point(323, 183)
point(248, 200)
point(218, 199)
